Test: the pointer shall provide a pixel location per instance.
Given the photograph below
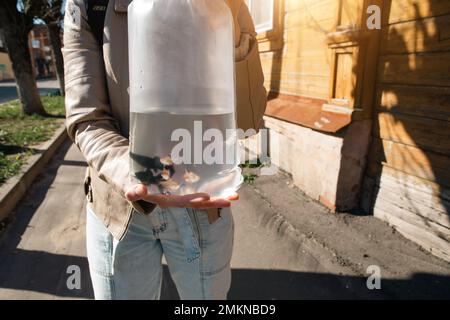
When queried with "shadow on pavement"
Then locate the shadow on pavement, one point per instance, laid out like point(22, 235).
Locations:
point(44, 272)
point(252, 284)
point(13, 149)
point(49, 276)
point(8, 93)
point(35, 270)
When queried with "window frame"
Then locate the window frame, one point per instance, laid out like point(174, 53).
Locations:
point(265, 27)
point(272, 39)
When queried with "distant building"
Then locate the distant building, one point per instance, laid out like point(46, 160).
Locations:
point(41, 52)
point(6, 72)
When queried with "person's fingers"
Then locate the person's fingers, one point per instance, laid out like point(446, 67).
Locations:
point(215, 202)
point(165, 201)
point(210, 204)
point(137, 192)
point(141, 190)
point(196, 197)
point(233, 197)
point(196, 200)
point(183, 201)
point(154, 198)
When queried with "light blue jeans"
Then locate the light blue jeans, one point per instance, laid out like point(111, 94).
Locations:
point(197, 253)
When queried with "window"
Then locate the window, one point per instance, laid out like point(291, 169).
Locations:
point(262, 12)
point(2, 44)
point(36, 44)
point(268, 16)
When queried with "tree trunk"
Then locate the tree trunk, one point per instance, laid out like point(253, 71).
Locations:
point(19, 54)
point(54, 32)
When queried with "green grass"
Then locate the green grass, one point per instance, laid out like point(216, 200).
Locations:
point(250, 177)
point(19, 132)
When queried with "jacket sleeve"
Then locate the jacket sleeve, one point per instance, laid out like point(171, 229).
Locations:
point(89, 120)
point(247, 36)
point(245, 20)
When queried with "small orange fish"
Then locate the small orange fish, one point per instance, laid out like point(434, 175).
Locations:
point(170, 185)
point(189, 190)
point(165, 174)
point(190, 177)
point(167, 161)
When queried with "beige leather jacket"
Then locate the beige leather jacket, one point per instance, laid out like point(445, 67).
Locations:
point(97, 104)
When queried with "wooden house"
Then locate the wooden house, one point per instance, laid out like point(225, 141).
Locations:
point(359, 109)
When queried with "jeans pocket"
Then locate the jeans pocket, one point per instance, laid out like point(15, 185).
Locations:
point(224, 218)
point(216, 242)
point(213, 216)
point(189, 232)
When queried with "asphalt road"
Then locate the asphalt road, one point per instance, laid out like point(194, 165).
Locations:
point(8, 89)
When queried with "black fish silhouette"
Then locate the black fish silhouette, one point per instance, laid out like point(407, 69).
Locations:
point(155, 172)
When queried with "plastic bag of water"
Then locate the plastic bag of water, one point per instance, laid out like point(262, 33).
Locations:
point(182, 96)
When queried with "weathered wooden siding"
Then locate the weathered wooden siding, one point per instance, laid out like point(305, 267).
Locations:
point(302, 65)
point(409, 162)
point(408, 175)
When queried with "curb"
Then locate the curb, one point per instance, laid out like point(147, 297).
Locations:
point(15, 188)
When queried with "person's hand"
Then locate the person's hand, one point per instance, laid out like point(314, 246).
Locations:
point(196, 200)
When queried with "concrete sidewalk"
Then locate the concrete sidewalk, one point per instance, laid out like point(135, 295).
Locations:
point(286, 246)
